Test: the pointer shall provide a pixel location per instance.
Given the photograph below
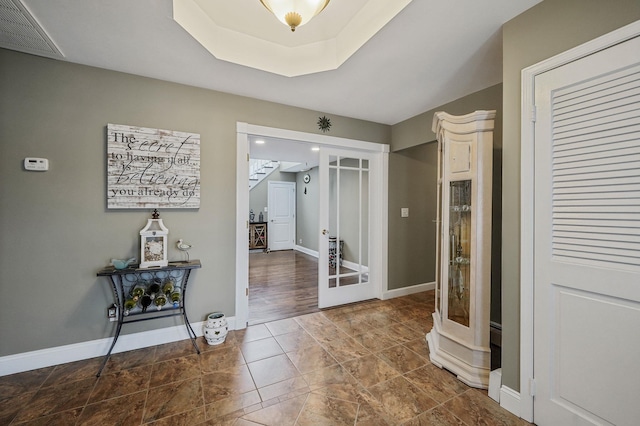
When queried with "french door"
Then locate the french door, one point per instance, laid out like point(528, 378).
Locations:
point(344, 273)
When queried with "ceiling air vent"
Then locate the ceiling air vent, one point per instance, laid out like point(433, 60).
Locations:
point(20, 31)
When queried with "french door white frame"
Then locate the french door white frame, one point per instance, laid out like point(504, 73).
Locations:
point(527, 231)
point(378, 250)
point(342, 294)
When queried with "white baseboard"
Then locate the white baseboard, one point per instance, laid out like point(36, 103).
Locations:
point(96, 348)
point(390, 294)
point(405, 291)
point(510, 400)
point(305, 250)
point(495, 383)
point(314, 253)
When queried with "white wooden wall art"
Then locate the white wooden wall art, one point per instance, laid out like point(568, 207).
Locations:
point(152, 168)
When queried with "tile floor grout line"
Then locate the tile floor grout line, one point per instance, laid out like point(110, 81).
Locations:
point(450, 412)
point(86, 403)
point(315, 330)
point(204, 401)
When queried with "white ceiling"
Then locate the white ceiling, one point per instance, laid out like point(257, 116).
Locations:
point(300, 154)
point(239, 32)
point(430, 53)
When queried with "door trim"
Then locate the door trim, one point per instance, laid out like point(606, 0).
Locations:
point(527, 176)
point(379, 250)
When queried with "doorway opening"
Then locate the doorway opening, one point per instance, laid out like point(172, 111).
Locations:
point(282, 284)
point(314, 242)
point(283, 277)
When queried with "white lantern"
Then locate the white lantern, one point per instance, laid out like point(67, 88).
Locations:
point(153, 243)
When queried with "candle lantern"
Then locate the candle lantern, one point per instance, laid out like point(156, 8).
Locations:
point(153, 243)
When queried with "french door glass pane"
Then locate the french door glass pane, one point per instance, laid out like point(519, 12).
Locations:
point(348, 221)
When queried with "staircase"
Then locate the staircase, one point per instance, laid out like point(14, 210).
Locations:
point(260, 169)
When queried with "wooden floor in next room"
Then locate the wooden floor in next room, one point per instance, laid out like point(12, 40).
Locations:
point(282, 284)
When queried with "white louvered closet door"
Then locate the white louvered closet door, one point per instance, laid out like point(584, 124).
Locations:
point(587, 240)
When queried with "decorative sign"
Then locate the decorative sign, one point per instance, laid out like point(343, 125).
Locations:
point(152, 168)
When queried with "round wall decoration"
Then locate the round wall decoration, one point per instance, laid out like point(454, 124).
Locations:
point(324, 124)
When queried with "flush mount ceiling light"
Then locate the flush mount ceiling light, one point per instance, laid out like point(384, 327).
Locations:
point(295, 13)
point(247, 36)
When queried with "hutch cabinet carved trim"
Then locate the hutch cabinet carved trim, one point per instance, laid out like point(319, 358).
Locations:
point(459, 340)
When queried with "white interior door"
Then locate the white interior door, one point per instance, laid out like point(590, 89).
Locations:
point(587, 240)
point(281, 211)
point(344, 244)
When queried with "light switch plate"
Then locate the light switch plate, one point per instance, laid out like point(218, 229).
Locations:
point(404, 212)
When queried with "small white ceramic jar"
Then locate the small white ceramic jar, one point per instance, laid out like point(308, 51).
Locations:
point(216, 328)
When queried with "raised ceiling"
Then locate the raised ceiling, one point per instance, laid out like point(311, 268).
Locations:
point(430, 53)
point(241, 33)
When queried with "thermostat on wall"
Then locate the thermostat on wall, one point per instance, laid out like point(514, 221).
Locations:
point(36, 164)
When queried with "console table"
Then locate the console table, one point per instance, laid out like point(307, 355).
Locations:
point(130, 281)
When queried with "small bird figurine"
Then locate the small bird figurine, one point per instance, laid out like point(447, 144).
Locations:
point(122, 264)
point(182, 246)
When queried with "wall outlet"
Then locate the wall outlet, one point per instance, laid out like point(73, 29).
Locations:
point(404, 212)
point(300, 241)
point(36, 164)
point(112, 312)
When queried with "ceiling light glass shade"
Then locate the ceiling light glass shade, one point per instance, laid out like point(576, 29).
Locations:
point(294, 13)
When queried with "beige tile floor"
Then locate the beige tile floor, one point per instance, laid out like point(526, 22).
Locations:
point(362, 364)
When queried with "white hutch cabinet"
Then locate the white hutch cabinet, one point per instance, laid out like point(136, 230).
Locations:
point(459, 339)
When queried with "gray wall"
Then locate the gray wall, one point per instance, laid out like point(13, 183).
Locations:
point(259, 194)
point(307, 209)
point(56, 231)
point(353, 218)
point(543, 31)
point(412, 240)
point(417, 130)
point(414, 186)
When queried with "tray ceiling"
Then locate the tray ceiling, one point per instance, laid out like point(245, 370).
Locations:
point(430, 53)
